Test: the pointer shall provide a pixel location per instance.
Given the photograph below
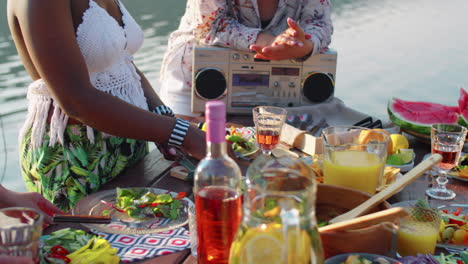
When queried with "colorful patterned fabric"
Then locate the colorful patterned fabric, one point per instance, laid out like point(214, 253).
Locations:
point(136, 247)
point(66, 173)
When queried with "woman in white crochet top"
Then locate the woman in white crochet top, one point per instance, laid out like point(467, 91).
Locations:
point(90, 109)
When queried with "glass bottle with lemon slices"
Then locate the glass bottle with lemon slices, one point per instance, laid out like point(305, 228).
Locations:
point(279, 225)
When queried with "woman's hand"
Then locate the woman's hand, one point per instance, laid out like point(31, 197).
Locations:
point(169, 152)
point(195, 142)
point(292, 43)
point(29, 199)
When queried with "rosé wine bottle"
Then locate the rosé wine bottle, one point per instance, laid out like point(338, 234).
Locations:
point(217, 190)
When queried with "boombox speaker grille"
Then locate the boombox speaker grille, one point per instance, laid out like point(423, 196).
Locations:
point(318, 87)
point(210, 84)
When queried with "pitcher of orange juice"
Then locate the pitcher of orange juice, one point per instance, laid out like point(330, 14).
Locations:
point(354, 157)
point(279, 224)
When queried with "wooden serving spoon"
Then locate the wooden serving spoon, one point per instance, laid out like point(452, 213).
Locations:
point(393, 188)
point(367, 220)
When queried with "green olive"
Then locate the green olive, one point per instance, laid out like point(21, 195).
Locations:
point(447, 235)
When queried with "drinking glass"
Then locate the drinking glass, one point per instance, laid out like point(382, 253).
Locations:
point(446, 140)
point(192, 218)
point(417, 232)
point(268, 123)
point(20, 231)
point(354, 157)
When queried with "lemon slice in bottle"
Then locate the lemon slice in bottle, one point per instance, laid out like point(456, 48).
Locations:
point(263, 248)
point(266, 245)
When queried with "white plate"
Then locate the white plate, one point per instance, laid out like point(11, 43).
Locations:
point(92, 205)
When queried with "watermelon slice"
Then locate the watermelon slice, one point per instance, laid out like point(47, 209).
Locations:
point(463, 108)
point(419, 116)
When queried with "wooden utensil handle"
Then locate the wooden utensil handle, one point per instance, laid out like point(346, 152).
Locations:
point(366, 220)
point(81, 219)
point(393, 188)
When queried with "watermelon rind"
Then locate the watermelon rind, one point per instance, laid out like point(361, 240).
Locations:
point(421, 128)
point(399, 121)
point(462, 121)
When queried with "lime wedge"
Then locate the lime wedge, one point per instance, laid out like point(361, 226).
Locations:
point(406, 155)
point(395, 159)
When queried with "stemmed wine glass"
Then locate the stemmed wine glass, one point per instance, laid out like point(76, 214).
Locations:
point(446, 140)
point(268, 123)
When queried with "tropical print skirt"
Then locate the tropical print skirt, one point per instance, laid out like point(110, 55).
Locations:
point(66, 173)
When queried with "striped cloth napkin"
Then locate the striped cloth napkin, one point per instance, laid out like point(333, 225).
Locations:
point(137, 247)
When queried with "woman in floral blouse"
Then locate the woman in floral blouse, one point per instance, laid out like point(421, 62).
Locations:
point(274, 29)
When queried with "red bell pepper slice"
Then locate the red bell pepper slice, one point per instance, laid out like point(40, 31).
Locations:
point(180, 195)
point(112, 206)
point(59, 252)
point(455, 221)
point(457, 213)
point(57, 249)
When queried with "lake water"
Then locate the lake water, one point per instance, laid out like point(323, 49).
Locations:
point(414, 50)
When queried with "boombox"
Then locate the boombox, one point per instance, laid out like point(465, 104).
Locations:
point(243, 82)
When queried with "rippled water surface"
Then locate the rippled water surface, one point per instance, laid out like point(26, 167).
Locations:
point(415, 50)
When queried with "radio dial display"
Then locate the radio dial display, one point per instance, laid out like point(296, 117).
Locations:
point(286, 71)
point(250, 79)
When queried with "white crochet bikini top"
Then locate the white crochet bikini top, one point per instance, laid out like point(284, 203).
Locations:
point(107, 48)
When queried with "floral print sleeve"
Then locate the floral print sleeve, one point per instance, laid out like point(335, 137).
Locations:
point(316, 20)
point(215, 26)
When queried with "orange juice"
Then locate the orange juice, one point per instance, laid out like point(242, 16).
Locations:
point(416, 237)
point(354, 169)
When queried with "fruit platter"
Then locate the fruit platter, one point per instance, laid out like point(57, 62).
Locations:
point(416, 117)
point(454, 226)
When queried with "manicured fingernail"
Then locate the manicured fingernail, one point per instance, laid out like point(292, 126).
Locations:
point(172, 151)
point(308, 36)
point(290, 20)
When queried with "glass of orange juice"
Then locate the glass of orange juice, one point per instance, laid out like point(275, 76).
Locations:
point(354, 157)
point(417, 232)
